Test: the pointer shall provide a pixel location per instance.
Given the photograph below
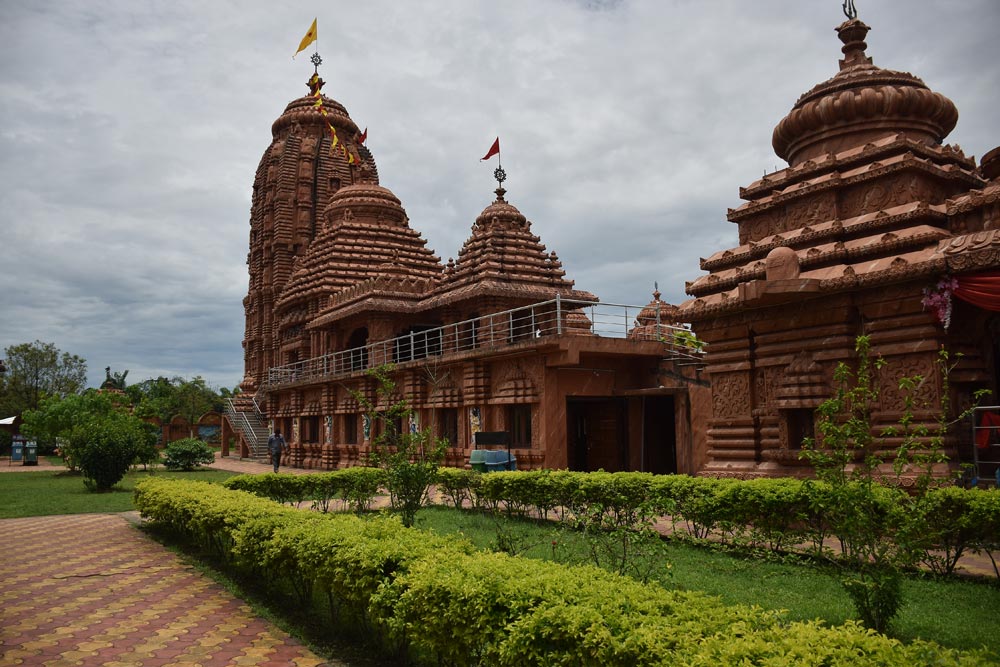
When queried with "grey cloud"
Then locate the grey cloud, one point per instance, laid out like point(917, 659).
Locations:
point(130, 134)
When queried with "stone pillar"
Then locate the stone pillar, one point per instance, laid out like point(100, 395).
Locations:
point(224, 434)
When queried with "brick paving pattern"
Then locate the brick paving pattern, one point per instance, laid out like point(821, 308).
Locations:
point(91, 589)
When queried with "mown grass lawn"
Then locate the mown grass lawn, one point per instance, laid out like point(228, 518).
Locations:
point(40, 493)
point(958, 613)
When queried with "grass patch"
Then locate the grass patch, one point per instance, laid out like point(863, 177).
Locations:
point(953, 612)
point(39, 493)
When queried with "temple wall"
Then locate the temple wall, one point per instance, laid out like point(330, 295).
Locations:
point(770, 368)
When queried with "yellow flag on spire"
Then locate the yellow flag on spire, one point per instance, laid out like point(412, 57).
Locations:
point(308, 39)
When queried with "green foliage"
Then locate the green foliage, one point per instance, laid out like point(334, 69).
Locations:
point(104, 447)
point(38, 370)
point(187, 454)
point(148, 454)
point(457, 484)
point(687, 339)
point(409, 460)
point(883, 530)
point(166, 398)
point(355, 487)
point(57, 416)
point(777, 515)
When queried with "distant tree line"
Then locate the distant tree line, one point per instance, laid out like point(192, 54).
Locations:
point(39, 376)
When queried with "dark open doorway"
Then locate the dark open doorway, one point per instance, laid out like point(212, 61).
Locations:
point(597, 434)
point(659, 435)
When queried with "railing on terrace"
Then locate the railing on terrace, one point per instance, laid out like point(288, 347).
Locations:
point(558, 317)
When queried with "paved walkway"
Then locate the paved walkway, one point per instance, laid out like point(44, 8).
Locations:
point(91, 589)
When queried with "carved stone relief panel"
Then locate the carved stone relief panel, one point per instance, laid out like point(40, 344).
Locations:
point(926, 392)
point(875, 196)
point(758, 227)
point(809, 211)
point(731, 395)
point(764, 383)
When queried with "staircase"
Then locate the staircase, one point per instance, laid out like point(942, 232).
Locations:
point(247, 420)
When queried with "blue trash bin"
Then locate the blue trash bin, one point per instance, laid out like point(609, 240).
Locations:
point(477, 459)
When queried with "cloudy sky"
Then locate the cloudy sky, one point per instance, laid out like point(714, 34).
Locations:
point(130, 132)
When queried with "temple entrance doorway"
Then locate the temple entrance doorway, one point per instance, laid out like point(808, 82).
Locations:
point(659, 435)
point(597, 434)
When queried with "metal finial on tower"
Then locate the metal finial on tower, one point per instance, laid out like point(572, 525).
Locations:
point(849, 10)
point(500, 175)
point(316, 61)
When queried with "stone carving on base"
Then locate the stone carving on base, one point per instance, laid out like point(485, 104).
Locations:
point(730, 395)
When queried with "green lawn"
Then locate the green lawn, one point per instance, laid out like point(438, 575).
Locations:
point(39, 493)
point(957, 613)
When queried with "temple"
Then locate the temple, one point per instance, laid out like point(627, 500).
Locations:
point(871, 230)
point(497, 341)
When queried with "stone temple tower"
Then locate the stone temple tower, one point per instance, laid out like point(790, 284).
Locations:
point(315, 151)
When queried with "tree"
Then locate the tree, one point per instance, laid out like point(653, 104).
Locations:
point(195, 398)
point(56, 417)
point(153, 398)
point(105, 447)
point(36, 370)
point(876, 521)
point(167, 398)
point(410, 459)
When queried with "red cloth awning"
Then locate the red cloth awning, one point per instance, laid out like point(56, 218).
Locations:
point(980, 289)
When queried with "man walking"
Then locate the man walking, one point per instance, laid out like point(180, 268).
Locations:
point(276, 445)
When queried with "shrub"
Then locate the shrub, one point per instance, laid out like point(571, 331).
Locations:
point(457, 484)
point(409, 460)
point(188, 454)
point(105, 446)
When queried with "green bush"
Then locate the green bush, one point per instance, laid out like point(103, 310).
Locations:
point(356, 487)
point(457, 484)
point(437, 601)
point(105, 446)
point(187, 454)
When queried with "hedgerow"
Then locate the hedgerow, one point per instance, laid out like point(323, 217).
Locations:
point(775, 514)
point(440, 602)
point(355, 487)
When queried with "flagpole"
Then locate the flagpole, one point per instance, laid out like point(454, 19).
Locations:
point(316, 59)
point(499, 174)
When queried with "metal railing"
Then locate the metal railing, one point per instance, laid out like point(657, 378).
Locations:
point(242, 423)
point(986, 442)
point(558, 317)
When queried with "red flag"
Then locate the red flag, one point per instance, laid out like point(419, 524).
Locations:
point(494, 150)
point(363, 137)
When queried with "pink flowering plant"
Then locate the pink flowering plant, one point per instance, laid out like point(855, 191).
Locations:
point(937, 299)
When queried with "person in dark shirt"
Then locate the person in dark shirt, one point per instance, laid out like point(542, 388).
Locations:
point(276, 445)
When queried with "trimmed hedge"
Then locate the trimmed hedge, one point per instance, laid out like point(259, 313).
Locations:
point(356, 487)
point(444, 603)
point(779, 514)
